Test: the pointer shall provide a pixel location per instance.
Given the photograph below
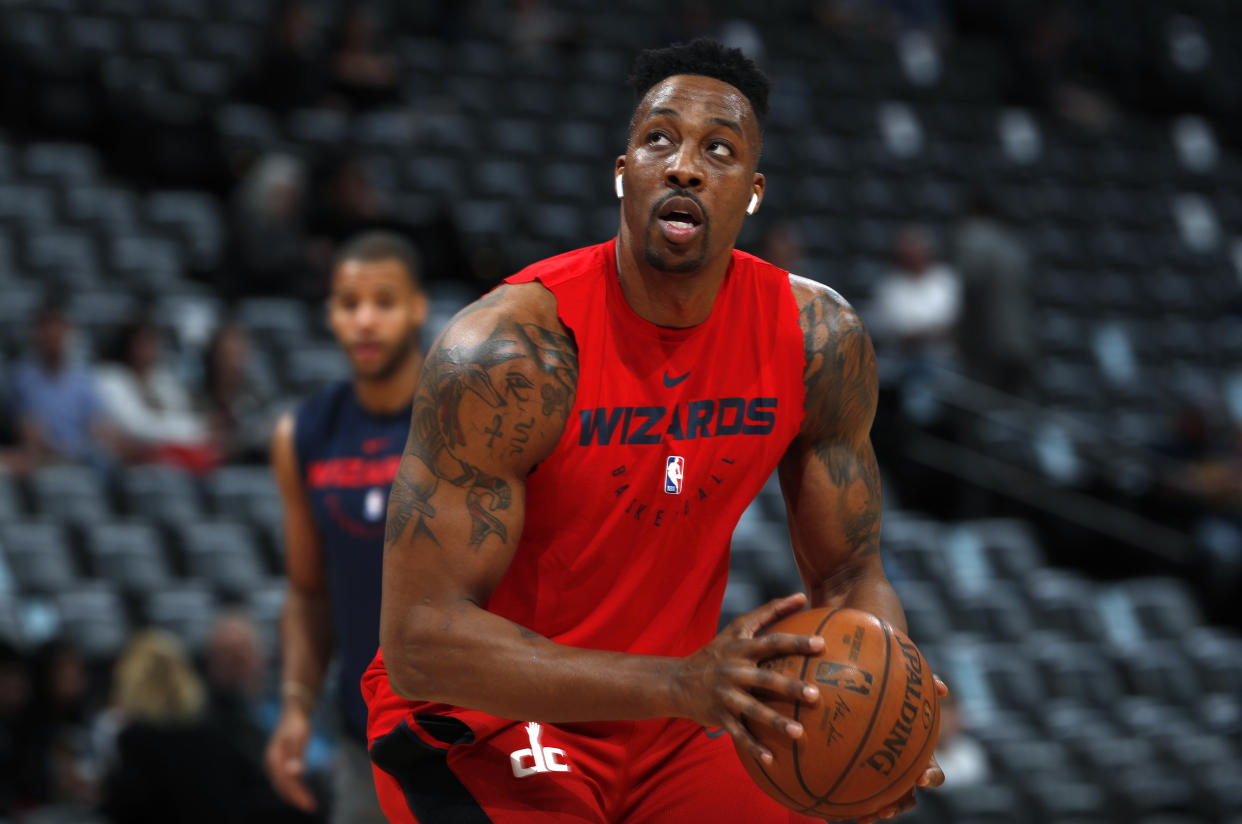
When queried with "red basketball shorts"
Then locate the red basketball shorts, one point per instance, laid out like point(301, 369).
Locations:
point(439, 769)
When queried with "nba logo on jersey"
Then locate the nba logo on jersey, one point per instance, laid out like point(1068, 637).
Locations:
point(373, 504)
point(674, 471)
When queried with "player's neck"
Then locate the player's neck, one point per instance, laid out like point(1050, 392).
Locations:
point(676, 300)
point(391, 394)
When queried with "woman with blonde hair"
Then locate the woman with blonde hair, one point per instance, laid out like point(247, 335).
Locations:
point(155, 681)
point(171, 764)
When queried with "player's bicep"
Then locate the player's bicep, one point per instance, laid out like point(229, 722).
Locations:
point(829, 477)
point(491, 403)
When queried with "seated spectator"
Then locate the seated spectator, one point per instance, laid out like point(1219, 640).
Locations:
point(236, 667)
point(64, 745)
point(996, 333)
point(916, 306)
point(362, 72)
point(21, 777)
point(237, 405)
point(269, 228)
point(292, 73)
point(149, 406)
point(172, 765)
point(55, 399)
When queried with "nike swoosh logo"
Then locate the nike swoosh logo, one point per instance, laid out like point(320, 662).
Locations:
point(714, 733)
point(671, 382)
point(373, 445)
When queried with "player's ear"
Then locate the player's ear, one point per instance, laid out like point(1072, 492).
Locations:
point(617, 183)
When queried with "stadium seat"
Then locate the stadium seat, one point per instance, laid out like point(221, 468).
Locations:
point(38, 556)
point(309, 367)
point(70, 493)
point(995, 609)
point(991, 803)
point(1064, 602)
point(187, 609)
point(926, 616)
point(161, 494)
point(1218, 659)
point(93, 615)
point(283, 320)
point(130, 555)
point(233, 490)
point(1159, 669)
point(1164, 606)
point(11, 507)
point(62, 162)
point(223, 554)
point(112, 208)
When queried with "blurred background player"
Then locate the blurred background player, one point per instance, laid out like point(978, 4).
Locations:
point(334, 461)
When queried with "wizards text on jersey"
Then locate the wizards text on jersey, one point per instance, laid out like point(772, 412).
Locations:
point(683, 422)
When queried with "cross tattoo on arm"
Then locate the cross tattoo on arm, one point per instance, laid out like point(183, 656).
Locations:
point(494, 431)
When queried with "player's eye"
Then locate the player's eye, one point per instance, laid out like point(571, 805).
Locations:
point(658, 139)
point(720, 148)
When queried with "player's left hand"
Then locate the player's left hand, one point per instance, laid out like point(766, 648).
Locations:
point(933, 776)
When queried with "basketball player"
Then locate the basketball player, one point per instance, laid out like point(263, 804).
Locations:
point(334, 462)
point(584, 440)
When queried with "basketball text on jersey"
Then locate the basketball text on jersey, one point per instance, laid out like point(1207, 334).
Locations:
point(687, 421)
point(674, 471)
point(536, 758)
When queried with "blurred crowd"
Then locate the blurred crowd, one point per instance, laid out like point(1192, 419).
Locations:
point(158, 737)
point(133, 406)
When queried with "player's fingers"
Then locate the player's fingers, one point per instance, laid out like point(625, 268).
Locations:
point(933, 776)
point(749, 623)
point(746, 742)
point(783, 643)
point(744, 705)
point(896, 808)
point(290, 787)
point(942, 689)
point(756, 678)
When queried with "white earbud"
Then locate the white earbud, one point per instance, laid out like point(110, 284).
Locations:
point(620, 187)
point(750, 210)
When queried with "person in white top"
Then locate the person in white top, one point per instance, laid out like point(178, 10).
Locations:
point(145, 401)
point(917, 304)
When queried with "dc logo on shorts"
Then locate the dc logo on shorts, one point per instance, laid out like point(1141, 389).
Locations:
point(537, 758)
point(674, 472)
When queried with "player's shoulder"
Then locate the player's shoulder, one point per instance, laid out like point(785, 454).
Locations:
point(507, 306)
point(808, 292)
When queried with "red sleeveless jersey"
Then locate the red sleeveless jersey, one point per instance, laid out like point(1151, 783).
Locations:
point(673, 432)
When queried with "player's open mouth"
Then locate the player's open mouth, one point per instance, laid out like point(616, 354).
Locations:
point(680, 218)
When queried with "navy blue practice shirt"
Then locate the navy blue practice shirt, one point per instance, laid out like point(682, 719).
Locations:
point(348, 458)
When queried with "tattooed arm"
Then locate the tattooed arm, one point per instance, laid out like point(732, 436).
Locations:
point(492, 401)
point(829, 476)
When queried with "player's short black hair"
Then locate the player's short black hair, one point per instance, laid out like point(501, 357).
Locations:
point(379, 244)
point(708, 58)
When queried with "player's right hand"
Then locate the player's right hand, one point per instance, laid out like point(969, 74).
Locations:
point(715, 686)
point(285, 759)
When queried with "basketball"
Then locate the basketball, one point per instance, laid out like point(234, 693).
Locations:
point(867, 741)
